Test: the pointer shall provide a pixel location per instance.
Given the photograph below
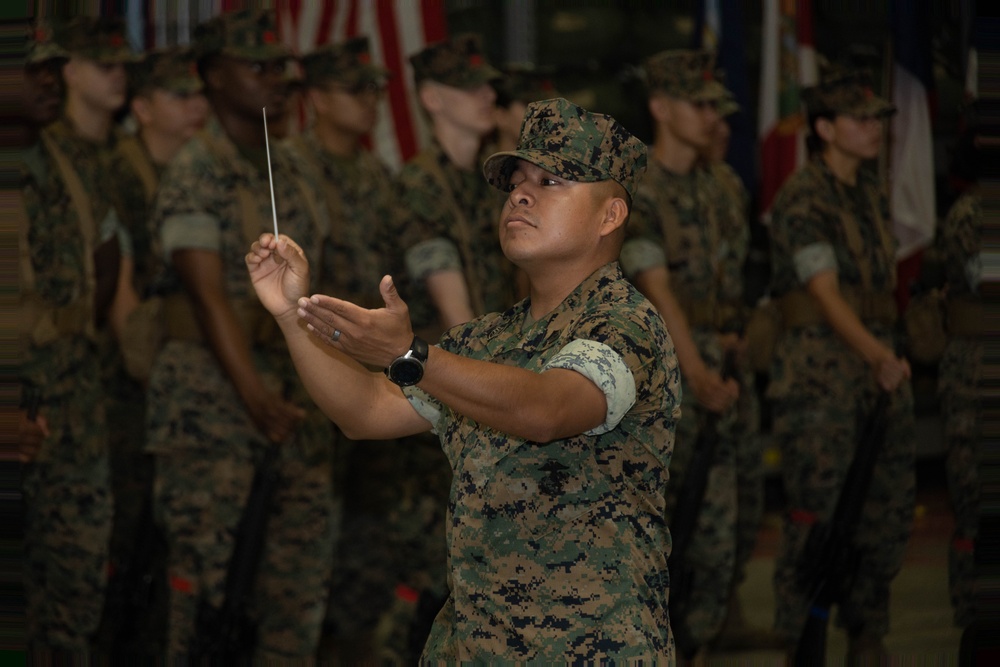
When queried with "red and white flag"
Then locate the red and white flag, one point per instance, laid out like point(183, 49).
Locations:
point(788, 64)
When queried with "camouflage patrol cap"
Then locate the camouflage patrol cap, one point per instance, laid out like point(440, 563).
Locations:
point(98, 38)
point(846, 91)
point(457, 62)
point(348, 63)
point(572, 143)
point(249, 34)
point(172, 69)
point(685, 74)
point(42, 47)
point(523, 84)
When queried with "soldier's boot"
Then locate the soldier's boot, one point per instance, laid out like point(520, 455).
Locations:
point(737, 634)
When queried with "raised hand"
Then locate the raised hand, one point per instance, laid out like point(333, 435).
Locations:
point(279, 271)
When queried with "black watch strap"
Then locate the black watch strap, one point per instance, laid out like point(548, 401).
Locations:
point(419, 349)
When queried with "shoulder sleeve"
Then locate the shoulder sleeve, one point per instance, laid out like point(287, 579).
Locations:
point(801, 230)
point(185, 213)
point(604, 367)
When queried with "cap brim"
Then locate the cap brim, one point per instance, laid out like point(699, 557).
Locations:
point(498, 167)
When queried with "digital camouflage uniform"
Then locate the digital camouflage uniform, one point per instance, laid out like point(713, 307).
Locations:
point(959, 378)
point(822, 391)
point(695, 225)
point(66, 488)
point(134, 618)
point(214, 196)
point(360, 195)
point(557, 551)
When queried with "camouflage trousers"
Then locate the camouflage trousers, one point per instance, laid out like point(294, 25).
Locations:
point(958, 380)
point(199, 498)
point(817, 438)
point(67, 525)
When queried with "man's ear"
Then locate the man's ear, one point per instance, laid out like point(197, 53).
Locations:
point(659, 107)
point(141, 109)
point(825, 129)
point(69, 71)
point(615, 215)
point(429, 96)
point(316, 100)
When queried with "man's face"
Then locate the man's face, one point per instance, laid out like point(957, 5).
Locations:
point(351, 110)
point(547, 217)
point(98, 85)
point(171, 114)
point(858, 137)
point(692, 123)
point(472, 109)
point(42, 92)
point(246, 86)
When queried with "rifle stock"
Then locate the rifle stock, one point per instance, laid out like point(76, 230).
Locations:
point(685, 521)
point(830, 559)
point(225, 635)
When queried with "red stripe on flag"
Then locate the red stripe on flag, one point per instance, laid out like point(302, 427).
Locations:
point(325, 21)
point(386, 17)
point(804, 22)
point(778, 155)
point(433, 15)
point(351, 29)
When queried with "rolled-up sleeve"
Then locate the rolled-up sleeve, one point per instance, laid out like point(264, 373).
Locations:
point(604, 367)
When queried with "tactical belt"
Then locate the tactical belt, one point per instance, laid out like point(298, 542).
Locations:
point(966, 318)
point(182, 324)
point(800, 309)
point(711, 314)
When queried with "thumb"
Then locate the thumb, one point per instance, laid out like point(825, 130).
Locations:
point(389, 294)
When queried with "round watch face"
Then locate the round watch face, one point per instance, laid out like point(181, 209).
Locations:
point(406, 372)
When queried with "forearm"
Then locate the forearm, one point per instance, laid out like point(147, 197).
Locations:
point(228, 341)
point(126, 298)
point(536, 406)
point(450, 296)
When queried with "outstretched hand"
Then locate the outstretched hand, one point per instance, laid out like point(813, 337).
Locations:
point(373, 337)
point(279, 271)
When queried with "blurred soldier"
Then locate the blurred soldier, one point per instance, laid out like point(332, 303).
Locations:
point(457, 271)
point(834, 274)
point(687, 244)
point(69, 269)
point(735, 632)
point(960, 244)
point(168, 108)
point(222, 390)
point(343, 88)
point(450, 241)
point(519, 87)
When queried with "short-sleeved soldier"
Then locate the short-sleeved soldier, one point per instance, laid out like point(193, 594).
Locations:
point(222, 389)
point(556, 414)
point(69, 267)
point(833, 273)
point(450, 238)
point(688, 240)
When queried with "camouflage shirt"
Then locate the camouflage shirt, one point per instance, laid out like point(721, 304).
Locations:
point(960, 242)
point(364, 215)
point(135, 206)
point(558, 550)
point(809, 234)
point(696, 226)
point(452, 218)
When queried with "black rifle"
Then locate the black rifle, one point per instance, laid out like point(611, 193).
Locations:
point(226, 635)
point(830, 559)
point(685, 521)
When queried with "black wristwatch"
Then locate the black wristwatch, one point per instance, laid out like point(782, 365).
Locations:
point(409, 368)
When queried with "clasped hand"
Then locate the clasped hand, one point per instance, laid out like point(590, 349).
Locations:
point(279, 271)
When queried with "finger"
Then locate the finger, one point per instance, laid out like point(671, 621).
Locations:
point(389, 294)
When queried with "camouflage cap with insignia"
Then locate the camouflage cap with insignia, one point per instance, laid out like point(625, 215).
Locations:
point(685, 74)
point(348, 63)
point(572, 143)
point(42, 47)
point(846, 91)
point(458, 62)
point(98, 38)
point(173, 69)
point(249, 34)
